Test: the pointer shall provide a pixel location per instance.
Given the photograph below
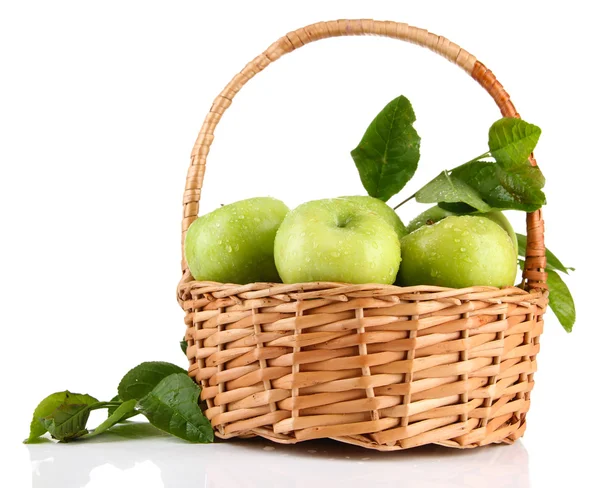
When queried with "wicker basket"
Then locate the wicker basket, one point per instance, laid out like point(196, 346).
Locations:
point(383, 367)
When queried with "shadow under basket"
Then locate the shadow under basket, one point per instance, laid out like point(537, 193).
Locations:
point(380, 366)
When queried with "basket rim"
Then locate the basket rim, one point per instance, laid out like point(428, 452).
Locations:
point(340, 291)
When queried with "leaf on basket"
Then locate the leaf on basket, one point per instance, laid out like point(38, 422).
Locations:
point(561, 301)
point(446, 188)
point(172, 406)
point(552, 262)
point(50, 404)
point(517, 189)
point(122, 412)
point(511, 141)
point(139, 381)
point(388, 154)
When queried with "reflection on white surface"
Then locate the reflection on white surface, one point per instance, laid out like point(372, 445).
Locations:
point(157, 460)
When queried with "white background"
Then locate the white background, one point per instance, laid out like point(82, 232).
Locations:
point(100, 103)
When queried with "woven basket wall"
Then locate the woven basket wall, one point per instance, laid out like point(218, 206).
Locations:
point(380, 366)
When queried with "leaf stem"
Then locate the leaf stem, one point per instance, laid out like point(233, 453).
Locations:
point(105, 405)
point(404, 201)
point(478, 158)
point(486, 154)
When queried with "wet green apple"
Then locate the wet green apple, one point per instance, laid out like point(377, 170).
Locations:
point(430, 216)
point(234, 243)
point(503, 222)
point(383, 209)
point(337, 239)
point(458, 252)
point(435, 214)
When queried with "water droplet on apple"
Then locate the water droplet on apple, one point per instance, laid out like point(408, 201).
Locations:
point(229, 248)
point(463, 249)
point(302, 234)
point(375, 245)
point(307, 259)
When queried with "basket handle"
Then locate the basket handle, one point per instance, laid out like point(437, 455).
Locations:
point(533, 274)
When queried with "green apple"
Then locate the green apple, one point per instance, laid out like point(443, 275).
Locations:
point(503, 222)
point(383, 209)
point(458, 252)
point(435, 214)
point(430, 216)
point(234, 244)
point(339, 240)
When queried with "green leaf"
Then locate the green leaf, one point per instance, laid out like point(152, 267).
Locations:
point(511, 141)
point(517, 189)
point(122, 412)
point(112, 409)
point(552, 262)
point(524, 186)
point(68, 421)
point(137, 430)
point(561, 301)
point(45, 407)
point(388, 154)
point(457, 208)
point(184, 345)
point(139, 381)
point(172, 406)
point(49, 405)
point(446, 188)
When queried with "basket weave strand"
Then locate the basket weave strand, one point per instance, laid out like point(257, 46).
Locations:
point(379, 366)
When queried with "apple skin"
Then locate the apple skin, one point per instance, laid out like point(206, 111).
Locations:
point(435, 214)
point(336, 240)
point(234, 243)
point(383, 209)
point(458, 252)
point(503, 222)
